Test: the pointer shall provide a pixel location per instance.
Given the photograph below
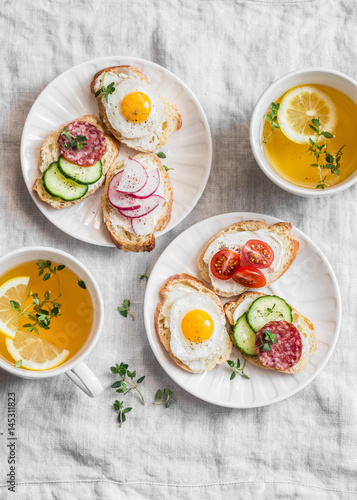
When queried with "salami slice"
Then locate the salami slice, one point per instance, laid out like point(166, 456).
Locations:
point(88, 155)
point(285, 352)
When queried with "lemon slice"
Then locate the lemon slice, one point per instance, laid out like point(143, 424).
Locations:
point(35, 353)
point(14, 289)
point(299, 106)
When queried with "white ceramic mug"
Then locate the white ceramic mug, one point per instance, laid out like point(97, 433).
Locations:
point(76, 370)
point(319, 76)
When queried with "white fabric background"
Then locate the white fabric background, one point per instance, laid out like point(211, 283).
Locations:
point(69, 446)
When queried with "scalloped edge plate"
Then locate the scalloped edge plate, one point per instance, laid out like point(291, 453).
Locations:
point(309, 285)
point(188, 151)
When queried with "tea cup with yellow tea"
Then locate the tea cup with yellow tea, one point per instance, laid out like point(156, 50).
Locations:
point(51, 315)
point(303, 130)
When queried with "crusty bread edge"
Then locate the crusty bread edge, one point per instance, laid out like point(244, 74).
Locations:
point(163, 292)
point(252, 226)
point(231, 306)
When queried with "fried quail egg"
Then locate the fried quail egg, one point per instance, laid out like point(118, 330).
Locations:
point(134, 109)
point(198, 334)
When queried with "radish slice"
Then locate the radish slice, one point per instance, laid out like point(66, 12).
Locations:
point(151, 186)
point(134, 177)
point(142, 225)
point(146, 207)
point(120, 200)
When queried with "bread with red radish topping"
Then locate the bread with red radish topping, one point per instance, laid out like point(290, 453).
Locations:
point(137, 201)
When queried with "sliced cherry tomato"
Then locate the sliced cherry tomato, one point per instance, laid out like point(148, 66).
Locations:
point(258, 254)
point(249, 276)
point(224, 263)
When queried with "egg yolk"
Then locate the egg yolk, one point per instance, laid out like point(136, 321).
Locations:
point(197, 326)
point(136, 107)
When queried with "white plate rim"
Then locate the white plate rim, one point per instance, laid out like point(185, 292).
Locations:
point(148, 320)
point(124, 60)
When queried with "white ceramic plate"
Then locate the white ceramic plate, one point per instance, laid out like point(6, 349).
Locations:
point(309, 285)
point(188, 151)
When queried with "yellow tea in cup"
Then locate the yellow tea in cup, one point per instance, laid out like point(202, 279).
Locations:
point(46, 315)
point(309, 136)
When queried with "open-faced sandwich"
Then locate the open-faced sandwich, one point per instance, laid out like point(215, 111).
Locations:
point(136, 202)
point(270, 333)
point(248, 254)
point(73, 162)
point(132, 110)
point(190, 323)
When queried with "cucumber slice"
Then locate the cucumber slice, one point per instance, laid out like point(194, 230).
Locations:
point(243, 336)
point(82, 175)
point(266, 309)
point(57, 185)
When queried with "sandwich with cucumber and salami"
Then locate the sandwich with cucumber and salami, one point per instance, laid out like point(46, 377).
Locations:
point(74, 160)
point(270, 333)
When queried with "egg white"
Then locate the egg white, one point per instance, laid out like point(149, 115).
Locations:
point(128, 129)
point(196, 355)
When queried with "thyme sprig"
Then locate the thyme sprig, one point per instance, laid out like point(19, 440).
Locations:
point(43, 311)
point(125, 309)
point(122, 385)
point(77, 142)
point(264, 342)
point(270, 310)
point(237, 369)
point(272, 117)
point(164, 397)
point(119, 407)
point(331, 160)
point(145, 275)
point(109, 89)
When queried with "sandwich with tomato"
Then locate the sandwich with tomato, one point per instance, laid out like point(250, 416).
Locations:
point(248, 254)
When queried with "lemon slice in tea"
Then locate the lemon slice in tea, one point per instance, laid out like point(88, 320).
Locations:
point(35, 353)
point(14, 289)
point(299, 106)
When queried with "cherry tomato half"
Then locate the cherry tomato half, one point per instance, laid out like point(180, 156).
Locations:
point(224, 263)
point(249, 276)
point(258, 254)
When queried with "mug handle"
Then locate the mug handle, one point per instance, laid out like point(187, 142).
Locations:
point(85, 379)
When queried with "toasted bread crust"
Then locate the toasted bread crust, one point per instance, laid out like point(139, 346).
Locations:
point(170, 109)
point(164, 335)
point(282, 229)
point(229, 309)
point(128, 242)
point(50, 151)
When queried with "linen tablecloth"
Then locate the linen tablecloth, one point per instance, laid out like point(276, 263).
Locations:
point(69, 446)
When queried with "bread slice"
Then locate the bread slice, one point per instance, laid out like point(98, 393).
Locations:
point(164, 332)
point(303, 322)
point(154, 141)
point(50, 152)
point(125, 240)
point(281, 230)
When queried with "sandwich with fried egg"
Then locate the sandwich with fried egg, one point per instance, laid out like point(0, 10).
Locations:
point(132, 110)
point(189, 320)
